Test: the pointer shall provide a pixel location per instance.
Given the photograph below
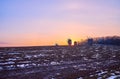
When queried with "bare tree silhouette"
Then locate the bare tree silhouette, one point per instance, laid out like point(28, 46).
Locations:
point(69, 42)
point(75, 43)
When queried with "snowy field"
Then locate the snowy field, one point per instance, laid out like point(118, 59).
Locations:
point(60, 62)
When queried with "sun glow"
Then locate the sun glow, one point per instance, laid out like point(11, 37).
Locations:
point(46, 23)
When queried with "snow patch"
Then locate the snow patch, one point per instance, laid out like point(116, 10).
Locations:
point(54, 63)
point(114, 77)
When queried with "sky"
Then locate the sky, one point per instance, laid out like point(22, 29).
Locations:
point(46, 22)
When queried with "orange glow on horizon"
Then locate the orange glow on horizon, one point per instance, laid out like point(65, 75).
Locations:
point(39, 23)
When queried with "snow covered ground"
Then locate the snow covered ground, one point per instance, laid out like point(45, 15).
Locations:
point(96, 62)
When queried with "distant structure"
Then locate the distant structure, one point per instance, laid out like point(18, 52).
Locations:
point(69, 42)
point(56, 44)
point(90, 41)
point(75, 43)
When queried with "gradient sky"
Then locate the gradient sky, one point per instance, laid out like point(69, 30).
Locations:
point(46, 22)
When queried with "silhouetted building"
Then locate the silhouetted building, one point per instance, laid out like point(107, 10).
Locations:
point(90, 41)
point(56, 44)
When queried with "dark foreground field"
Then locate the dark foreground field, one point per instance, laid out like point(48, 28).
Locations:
point(60, 62)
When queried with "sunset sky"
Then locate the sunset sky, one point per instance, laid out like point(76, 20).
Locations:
point(46, 22)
